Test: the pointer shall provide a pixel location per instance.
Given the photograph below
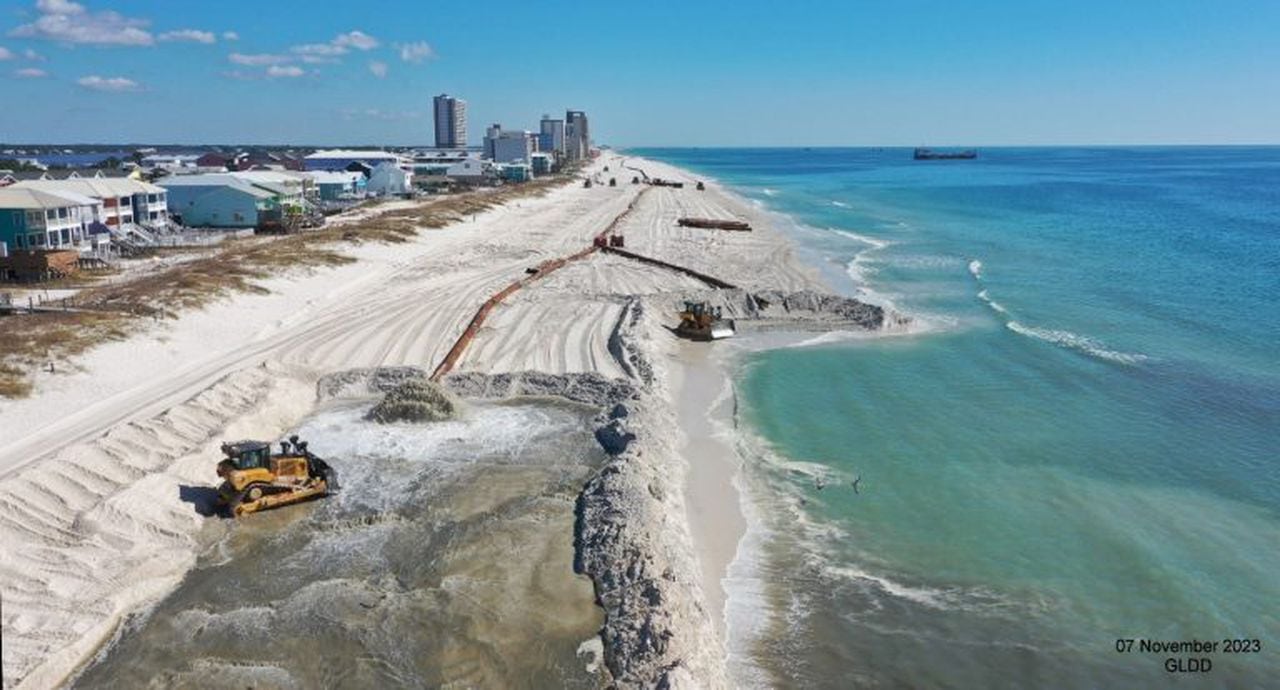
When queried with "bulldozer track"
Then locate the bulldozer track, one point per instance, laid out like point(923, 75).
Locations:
point(541, 271)
point(544, 269)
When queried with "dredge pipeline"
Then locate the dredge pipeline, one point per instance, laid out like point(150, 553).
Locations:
point(543, 269)
point(709, 280)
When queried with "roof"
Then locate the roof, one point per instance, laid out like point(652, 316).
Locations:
point(353, 154)
point(333, 176)
point(74, 173)
point(281, 177)
point(13, 197)
point(94, 186)
point(217, 180)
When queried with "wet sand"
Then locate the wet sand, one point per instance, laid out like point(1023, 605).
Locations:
point(705, 411)
point(445, 561)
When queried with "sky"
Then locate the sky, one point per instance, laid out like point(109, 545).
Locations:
point(654, 73)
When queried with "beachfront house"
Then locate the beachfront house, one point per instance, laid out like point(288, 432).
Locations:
point(127, 204)
point(436, 163)
point(515, 172)
point(291, 188)
point(333, 186)
point(33, 219)
point(341, 159)
point(221, 200)
point(470, 171)
point(388, 179)
point(542, 162)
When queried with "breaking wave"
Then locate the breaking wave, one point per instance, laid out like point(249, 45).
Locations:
point(975, 269)
point(840, 204)
point(1077, 342)
point(1072, 341)
point(982, 295)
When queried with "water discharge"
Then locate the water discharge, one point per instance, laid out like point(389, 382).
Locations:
point(445, 560)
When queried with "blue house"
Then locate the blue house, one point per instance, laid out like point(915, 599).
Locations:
point(338, 185)
point(220, 201)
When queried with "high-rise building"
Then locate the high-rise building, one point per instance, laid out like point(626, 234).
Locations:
point(551, 135)
point(490, 134)
point(577, 136)
point(451, 122)
point(508, 146)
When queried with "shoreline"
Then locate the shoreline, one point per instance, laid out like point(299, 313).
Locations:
point(188, 385)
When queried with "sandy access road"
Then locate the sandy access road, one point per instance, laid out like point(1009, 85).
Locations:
point(94, 466)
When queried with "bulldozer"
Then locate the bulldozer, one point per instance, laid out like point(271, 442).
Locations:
point(701, 321)
point(254, 479)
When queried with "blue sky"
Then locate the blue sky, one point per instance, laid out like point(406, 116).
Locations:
point(740, 73)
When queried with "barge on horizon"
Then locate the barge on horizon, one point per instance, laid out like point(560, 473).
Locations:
point(932, 155)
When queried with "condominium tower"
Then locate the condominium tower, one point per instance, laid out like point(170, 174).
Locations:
point(577, 138)
point(451, 122)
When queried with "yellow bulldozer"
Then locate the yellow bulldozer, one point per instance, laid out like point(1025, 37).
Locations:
point(254, 479)
point(701, 321)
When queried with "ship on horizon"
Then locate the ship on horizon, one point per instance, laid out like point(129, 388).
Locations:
point(932, 155)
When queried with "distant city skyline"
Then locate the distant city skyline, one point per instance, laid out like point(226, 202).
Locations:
point(669, 74)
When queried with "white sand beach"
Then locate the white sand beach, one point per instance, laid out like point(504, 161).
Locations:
point(92, 523)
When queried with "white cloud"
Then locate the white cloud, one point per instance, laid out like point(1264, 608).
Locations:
point(59, 7)
point(356, 39)
point(258, 59)
point(230, 36)
point(30, 73)
point(113, 84)
point(188, 35)
point(416, 52)
point(319, 49)
point(71, 22)
point(5, 53)
point(378, 69)
point(288, 71)
point(33, 55)
point(339, 46)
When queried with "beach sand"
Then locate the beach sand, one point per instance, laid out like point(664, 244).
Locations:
point(95, 465)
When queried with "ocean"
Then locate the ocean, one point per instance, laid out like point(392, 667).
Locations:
point(1076, 446)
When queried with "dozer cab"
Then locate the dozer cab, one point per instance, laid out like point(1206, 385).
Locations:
point(253, 479)
point(701, 321)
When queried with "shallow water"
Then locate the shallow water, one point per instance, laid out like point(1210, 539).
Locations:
point(446, 560)
point(1080, 449)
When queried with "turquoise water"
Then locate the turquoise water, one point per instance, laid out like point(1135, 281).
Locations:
point(1080, 445)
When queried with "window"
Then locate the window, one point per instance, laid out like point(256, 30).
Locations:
point(126, 201)
point(38, 239)
point(50, 214)
point(21, 241)
point(66, 236)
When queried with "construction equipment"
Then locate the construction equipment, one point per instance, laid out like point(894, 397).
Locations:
point(701, 321)
point(254, 479)
point(714, 224)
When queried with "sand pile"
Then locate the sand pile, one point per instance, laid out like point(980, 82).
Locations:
point(415, 400)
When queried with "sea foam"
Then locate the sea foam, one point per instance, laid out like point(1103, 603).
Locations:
point(975, 269)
